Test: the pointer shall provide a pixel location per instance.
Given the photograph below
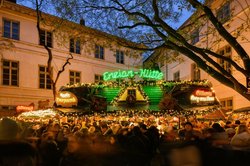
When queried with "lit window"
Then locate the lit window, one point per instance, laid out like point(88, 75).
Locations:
point(46, 38)
point(7, 107)
point(195, 72)
point(99, 52)
point(98, 78)
point(11, 29)
point(44, 79)
point(119, 57)
point(75, 46)
point(226, 51)
point(177, 76)
point(195, 36)
point(10, 73)
point(74, 77)
point(227, 103)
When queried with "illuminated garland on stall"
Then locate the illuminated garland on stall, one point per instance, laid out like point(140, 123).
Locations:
point(137, 83)
point(49, 113)
point(125, 84)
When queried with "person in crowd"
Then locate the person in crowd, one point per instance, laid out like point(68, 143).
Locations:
point(185, 154)
point(78, 151)
point(241, 140)
point(9, 129)
point(188, 133)
point(17, 153)
point(13, 150)
point(138, 148)
point(219, 137)
point(230, 130)
point(49, 153)
point(207, 134)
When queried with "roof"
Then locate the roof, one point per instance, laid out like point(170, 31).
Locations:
point(218, 114)
point(242, 109)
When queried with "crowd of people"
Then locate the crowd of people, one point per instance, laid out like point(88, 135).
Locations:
point(123, 138)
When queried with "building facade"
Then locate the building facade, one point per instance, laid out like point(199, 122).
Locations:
point(24, 76)
point(234, 16)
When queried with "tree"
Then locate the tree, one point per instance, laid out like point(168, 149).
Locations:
point(149, 22)
point(53, 81)
point(63, 28)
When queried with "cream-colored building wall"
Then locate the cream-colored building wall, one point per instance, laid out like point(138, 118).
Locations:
point(30, 55)
point(184, 68)
point(240, 11)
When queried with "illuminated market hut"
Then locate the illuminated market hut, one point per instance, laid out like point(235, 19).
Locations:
point(138, 90)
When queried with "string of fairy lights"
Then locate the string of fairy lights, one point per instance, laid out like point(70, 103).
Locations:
point(124, 83)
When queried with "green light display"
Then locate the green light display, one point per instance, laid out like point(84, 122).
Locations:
point(142, 73)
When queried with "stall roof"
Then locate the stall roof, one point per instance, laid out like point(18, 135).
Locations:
point(242, 109)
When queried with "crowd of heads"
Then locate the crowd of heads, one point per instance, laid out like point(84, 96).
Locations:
point(133, 137)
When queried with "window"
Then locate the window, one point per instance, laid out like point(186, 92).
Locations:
point(10, 73)
point(177, 76)
point(75, 46)
point(44, 79)
point(166, 72)
point(227, 103)
point(195, 36)
point(46, 38)
point(227, 52)
point(99, 52)
point(7, 107)
point(119, 57)
point(11, 29)
point(98, 78)
point(223, 14)
point(131, 92)
point(74, 77)
point(195, 72)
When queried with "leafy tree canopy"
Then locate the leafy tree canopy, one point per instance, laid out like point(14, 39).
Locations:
point(152, 22)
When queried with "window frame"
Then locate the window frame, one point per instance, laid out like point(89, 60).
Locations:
point(74, 77)
point(99, 78)
point(45, 38)
point(195, 72)
point(11, 29)
point(226, 102)
point(75, 49)
point(99, 52)
point(175, 74)
point(223, 14)
point(120, 57)
point(195, 36)
point(227, 53)
point(10, 68)
point(46, 77)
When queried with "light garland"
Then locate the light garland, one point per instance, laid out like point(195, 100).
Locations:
point(48, 113)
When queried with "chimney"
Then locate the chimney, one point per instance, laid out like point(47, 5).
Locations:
point(13, 1)
point(82, 22)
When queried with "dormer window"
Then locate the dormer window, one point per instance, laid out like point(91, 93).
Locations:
point(75, 46)
point(195, 36)
point(223, 14)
